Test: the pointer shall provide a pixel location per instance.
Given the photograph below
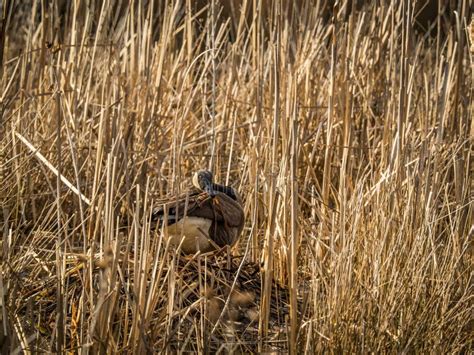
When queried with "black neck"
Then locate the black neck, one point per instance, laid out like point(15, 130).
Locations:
point(229, 191)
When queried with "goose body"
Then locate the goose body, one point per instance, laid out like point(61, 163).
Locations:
point(211, 216)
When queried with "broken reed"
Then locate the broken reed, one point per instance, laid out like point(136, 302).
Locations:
point(348, 136)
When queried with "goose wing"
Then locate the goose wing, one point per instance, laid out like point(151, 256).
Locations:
point(221, 208)
point(228, 211)
point(195, 204)
point(228, 222)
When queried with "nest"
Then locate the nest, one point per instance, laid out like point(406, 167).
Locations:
point(217, 296)
point(231, 307)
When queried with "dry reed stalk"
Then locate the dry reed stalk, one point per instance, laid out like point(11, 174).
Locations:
point(347, 132)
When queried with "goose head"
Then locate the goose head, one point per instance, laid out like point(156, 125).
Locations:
point(202, 180)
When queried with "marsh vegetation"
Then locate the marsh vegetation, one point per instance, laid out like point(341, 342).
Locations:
point(347, 130)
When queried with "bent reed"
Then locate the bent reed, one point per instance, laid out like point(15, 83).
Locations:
point(347, 131)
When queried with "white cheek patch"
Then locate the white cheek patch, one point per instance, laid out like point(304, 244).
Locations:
point(196, 181)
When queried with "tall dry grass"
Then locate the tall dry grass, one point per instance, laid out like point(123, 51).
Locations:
point(349, 137)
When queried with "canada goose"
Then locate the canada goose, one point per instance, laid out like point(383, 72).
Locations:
point(213, 218)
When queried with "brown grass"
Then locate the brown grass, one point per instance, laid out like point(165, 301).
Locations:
point(349, 136)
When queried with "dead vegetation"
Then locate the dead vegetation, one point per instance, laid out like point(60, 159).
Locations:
point(349, 136)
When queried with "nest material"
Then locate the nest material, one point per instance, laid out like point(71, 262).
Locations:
point(216, 294)
point(232, 298)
